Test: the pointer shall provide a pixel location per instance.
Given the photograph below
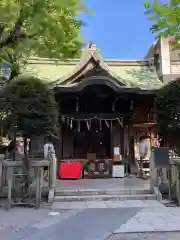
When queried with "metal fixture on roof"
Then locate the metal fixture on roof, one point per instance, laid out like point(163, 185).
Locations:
point(92, 46)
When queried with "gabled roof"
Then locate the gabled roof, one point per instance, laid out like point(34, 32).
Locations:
point(127, 73)
point(91, 59)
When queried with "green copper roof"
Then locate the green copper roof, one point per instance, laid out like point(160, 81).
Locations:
point(144, 77)
point(47, 70)
point(131, 73)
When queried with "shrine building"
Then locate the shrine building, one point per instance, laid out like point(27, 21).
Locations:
point(106, 105)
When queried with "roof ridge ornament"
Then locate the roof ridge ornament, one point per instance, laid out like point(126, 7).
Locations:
point(97, 67)
point(92, 46)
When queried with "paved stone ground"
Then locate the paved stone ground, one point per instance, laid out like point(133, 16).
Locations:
point(94, 223)
point(153, 220)
point(88, 224)
point(146, 236)
point(19, 220)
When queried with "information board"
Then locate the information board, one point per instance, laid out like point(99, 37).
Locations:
point(160, 156)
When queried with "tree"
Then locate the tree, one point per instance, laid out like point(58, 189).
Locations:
point(167, 111)
point(166, 18)
point(30, 105)
point(12, 63)
point(30, 108)
point(44, 28)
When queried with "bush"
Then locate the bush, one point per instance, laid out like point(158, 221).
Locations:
point(30, 107)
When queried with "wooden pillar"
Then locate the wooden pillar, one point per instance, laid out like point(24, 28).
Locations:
point(68, 142)
point(115, 138)
point(152, 135)
point(131, 143)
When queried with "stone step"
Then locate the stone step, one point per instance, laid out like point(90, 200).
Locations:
point(106, 197)
point(107, 204)
point(90, 192)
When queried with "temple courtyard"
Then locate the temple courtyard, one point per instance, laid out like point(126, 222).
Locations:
point(128, 219)
point(91, 224)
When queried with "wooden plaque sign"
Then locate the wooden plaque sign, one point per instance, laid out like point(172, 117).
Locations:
point(161, 157)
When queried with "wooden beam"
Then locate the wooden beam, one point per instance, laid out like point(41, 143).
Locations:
point(146, 125)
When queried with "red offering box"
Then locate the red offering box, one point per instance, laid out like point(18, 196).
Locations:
point(70, 170)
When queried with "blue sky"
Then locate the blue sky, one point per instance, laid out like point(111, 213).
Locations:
point(120, 29)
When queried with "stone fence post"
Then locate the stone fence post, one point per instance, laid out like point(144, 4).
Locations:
point(1, 171)
point(52, 177)
point(176, 162)
point(153, 172)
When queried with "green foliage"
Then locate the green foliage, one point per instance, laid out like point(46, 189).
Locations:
point(167, 109)
point(29, 107)
point(13, 60)
point(44, 28)
point(166, 18)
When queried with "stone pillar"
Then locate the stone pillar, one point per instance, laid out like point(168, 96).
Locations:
point(53, 176)
point(153, 172)
point(53, 170)
point(1, 171)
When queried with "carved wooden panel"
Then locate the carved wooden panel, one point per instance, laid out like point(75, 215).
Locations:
point(143, 114)
point(99, 168)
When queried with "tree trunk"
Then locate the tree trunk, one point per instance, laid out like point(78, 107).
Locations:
point(14, 74)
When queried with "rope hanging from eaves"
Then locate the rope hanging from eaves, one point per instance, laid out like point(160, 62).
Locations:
point(71, 122)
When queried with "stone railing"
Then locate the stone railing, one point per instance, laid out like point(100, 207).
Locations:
point(52, 175)
point(11, 166)
point(174, 180)
point(166, 180)
point(8, 174)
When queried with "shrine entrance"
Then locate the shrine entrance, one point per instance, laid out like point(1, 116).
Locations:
point(100, 111)
point(93, 126)
point(96, 139)
point(93, 144)
point(99, 140)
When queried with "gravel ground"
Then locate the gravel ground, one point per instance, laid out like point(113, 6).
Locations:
point(146, 236)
